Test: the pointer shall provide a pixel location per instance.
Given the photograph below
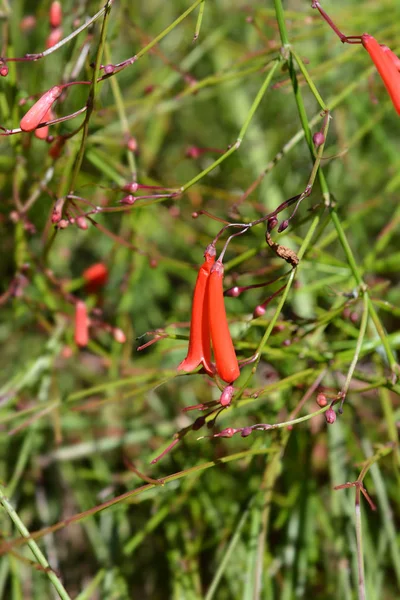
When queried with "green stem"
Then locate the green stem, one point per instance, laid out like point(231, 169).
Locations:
point(360, 339)
point(38, 554)
point(241, 135)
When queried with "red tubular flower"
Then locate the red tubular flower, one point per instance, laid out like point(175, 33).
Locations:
point(386, 67)
point(95, 277)
point(224, 352)
point(55, 14)
point(38, 111)
point(81, 324)
point(199, 351)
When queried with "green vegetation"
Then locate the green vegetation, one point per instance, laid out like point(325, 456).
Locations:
point(224, 125)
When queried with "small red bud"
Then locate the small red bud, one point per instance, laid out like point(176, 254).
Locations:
point(153, 262)
point(284, 225)
point(55, 14)
point(330, 416)
point(56, 149)
point(246, 431)
point(129, 199)
point(192, 152)
point(81, 223)
point(318, 139)
point(27, 23)
point(272, 223)
point(132, 144)
point(259, 311)
point(228, 432)
point(321, 400)
point(119, 336)
point(54, 37)
point(108, 69)
point(233, 292)
point(131, 187)
point(226, 395)
point(3, 70)
point(63, 224)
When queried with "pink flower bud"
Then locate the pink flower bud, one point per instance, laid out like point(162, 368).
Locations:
point(81, 223)
point(318, 139)
point(129, 199)
point(63, 224)
point(3, 70)
point(233, 292)
point(54, 37)
point(192, 152)
point(228, 432)
point(246, 431)
point(272, 223)
point(321, 400)
point(330, 416)
point(132, 144)
point(131, 187)
point(284, 225)
point(119, 336)
point(55, 14)
point(108, 69)
point(259, 311)
point(226, 395)
point(27, 23)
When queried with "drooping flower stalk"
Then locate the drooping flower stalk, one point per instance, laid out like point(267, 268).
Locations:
point(199, 351)
point(224, 352)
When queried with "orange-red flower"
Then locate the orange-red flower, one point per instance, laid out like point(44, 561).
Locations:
point(199, 351)
point(384, 60)
point(95, 277)
point(38, 111)
point(224, 352)
point(81, 324)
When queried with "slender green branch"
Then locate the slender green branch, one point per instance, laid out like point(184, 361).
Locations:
point(38, 554)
